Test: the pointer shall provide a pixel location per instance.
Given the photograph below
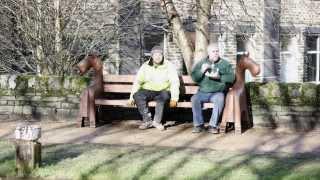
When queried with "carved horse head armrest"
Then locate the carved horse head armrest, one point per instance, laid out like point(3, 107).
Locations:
point(90, 61)
point(244, 63)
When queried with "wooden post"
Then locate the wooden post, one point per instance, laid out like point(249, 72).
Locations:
point(28, 150)
point(28, 156)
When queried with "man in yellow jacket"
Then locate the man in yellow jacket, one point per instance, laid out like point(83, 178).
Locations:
point(157, 79)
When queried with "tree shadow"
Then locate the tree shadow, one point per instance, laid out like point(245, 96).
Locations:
point(54, 153)
point(275, 170)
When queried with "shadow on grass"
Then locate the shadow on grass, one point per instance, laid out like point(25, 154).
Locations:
point(279, 165)
point(94, 170)
point(6, 159)
point(159, 162)
point(112, 161)
point(56, 152)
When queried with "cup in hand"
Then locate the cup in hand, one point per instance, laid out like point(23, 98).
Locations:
point(205, 67)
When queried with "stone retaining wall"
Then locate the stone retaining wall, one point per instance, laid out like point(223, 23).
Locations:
point(291, 105)
point(54, 98)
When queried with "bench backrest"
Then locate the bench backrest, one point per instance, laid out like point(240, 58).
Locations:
point(123, 84)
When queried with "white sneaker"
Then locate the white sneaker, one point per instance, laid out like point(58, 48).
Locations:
point(158, 125)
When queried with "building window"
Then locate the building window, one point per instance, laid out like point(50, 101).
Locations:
point(312, 59)
point(285, 58)
point(242, 43)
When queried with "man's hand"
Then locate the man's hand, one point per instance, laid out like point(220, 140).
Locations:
point(173, 103)
point(213, 75)
point(131, 102)
point(204, 67)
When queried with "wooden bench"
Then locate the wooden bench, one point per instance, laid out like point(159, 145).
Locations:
point(236, 107)
point(116, 90)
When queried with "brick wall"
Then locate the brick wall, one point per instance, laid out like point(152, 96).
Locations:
point(300, 12)
point(229, 18)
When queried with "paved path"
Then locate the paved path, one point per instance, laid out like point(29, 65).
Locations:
point(126, 133)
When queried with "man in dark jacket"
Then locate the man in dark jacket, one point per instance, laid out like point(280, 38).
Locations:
point(212, 74)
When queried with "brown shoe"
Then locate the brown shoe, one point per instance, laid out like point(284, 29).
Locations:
point(158, 125)
point(213, 130)
point(145, 125)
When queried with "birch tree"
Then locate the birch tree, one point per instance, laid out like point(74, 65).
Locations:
point(190, 51)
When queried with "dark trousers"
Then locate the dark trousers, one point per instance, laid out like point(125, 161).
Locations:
point(142, 97)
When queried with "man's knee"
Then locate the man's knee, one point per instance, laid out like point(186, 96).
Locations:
point(138, 96)
point(164, 96)
point(218, 99)
point(195, 99)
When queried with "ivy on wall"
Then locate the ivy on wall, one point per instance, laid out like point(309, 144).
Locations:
point(285, 94)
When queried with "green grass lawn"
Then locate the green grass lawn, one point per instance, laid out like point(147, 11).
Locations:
point(98, 161)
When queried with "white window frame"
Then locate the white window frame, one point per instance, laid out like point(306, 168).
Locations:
point(283, 54)
point(317, 52)
point(248, 76)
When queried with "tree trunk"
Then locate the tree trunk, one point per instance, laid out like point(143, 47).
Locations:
point(58, 40)
point(179, 33)
point(58, 45)
point(202, 31)
point(39, 49)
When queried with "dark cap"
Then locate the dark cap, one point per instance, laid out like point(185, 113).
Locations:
point(156, 49)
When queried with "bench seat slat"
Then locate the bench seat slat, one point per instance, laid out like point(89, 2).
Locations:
point(123, 103)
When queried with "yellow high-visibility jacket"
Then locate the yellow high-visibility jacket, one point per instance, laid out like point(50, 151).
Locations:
point(157, 78)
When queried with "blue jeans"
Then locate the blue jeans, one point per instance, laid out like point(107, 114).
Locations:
point(217, 98)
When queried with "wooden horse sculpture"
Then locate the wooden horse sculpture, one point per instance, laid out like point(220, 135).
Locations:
point(87, 98)
point(236, 106)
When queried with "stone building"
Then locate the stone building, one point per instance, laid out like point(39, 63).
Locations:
point(282, 36)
